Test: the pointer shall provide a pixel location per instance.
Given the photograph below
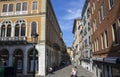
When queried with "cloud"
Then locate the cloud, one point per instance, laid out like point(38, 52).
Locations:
point(72, 14)
point(73, 9)
point(66, 25)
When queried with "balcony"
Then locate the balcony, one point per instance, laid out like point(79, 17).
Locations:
point(5, 39)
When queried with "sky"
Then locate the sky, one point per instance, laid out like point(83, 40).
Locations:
point(66, 11)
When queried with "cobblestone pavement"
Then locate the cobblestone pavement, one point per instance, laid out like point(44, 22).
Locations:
point(65, 72)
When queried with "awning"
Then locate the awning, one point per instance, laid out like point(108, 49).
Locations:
point(112, 60)
point(98, 59)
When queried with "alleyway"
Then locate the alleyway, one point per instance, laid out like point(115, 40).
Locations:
point(65, 72)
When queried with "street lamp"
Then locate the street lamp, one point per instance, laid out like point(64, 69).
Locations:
point(34, 39)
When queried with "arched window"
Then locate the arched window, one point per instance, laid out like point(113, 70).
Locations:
point(17, 28)
point(9, 30)
point(23, 29)
point(3, 31)
point(33, 28)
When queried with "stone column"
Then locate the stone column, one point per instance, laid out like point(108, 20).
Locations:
point(11, 59)
point(41, 60)
point(25, 60)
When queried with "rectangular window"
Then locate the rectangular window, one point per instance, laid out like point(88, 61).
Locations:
point(106, 39)
point(34, 5)
point(102, 41)
point(88, 13)
point(102, 9)
point(100, 16)
point(4, 8)
point(10, 8)
point(111, 2)
point(18, 7)
point(24, 6)
point(114, 33)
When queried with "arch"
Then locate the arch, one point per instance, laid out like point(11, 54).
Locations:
point(30, 60)
point(18, 60)
point(4, 57)
point(21, 29)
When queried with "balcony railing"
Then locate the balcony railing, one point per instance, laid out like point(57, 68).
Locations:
point(22, 38)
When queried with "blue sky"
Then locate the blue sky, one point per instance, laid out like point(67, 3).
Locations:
point(66, 11)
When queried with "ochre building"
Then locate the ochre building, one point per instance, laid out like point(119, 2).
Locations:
point(19, 19)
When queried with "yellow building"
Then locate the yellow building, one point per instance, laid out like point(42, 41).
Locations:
point(19, 19)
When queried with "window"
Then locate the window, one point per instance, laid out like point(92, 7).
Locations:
point(89, 26)
point(3, 31)
point(88, 13)
point(97, 44)
point(17, 28)
point(9, 30)
point(93, 47)
point(24, 6)
point(18, 7)
point(85, 42)
point(4, 8)
point(89, 40)
point(23, 29)
point(33, 28)
point(114, 33)
point(111, 2)
point(102, 40)
point(106, 39)
point(34, 5)
point(94, 25)
point(100, 16)
point(10, 8)
point(102, 11)
point(94, 6)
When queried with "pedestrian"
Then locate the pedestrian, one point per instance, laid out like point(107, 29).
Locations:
point(74, 73)
point(75, 64)
point(50, 70)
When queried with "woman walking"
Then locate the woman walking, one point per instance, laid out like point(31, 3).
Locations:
point(74, 73)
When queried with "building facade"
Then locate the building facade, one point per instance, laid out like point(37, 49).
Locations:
point(105, 21)
point(77, 27)
point(19, 19)
point(87, 48)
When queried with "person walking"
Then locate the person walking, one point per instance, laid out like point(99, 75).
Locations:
point(50, 70)
point(74, 72)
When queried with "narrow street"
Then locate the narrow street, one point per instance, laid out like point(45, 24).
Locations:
point(65, 72)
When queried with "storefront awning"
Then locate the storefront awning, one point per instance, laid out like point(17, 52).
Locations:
point(112, 60)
